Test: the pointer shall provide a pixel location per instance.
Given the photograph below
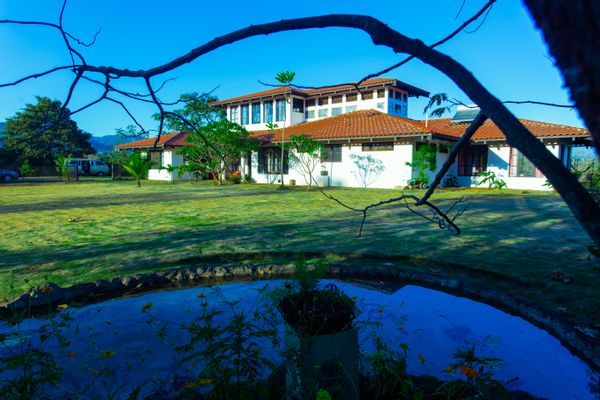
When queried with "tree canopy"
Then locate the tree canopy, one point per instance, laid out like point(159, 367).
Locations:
point(196, 111)
point(217, 145)
point(63, 137)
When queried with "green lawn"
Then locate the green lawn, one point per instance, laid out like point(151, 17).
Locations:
point(510, 241)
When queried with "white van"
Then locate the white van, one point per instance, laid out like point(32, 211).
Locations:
point(90, 167)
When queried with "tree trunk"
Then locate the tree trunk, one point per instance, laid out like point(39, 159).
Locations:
point(572, 30)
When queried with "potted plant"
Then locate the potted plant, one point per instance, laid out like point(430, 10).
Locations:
point(321, 341)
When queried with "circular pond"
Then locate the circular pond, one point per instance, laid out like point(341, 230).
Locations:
point(119, 344)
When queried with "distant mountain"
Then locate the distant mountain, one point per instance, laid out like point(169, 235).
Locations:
point(104, 144)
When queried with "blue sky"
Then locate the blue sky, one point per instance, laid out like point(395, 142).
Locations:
point(507, 54)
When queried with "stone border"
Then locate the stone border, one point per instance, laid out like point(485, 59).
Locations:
point(46, 297)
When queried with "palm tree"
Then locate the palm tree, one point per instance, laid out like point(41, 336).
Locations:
point(138, 166)
point(172, 169)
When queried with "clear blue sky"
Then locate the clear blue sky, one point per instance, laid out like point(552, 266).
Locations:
point(507, 53)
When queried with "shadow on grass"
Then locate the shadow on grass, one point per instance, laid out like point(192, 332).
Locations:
point(140, 199)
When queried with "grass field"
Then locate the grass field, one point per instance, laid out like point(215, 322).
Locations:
point(510, 241)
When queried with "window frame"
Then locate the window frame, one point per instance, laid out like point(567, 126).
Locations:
point(269, 160)
point(331, 153)
point(298, 109)
point(267, 111)
point(280, 110)
point(516, 164)
point(245, 114)
point(234, 114)
point(255, 107)
point(472, 159)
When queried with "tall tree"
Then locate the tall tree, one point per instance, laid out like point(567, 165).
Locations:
point(196, 111)
point(34, 134)
point(217, 145)
point(308, 153)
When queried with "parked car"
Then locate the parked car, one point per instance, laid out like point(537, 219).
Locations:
point(8, 175)
point(90, 167)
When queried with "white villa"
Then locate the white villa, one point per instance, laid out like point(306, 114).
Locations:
point(370, 126)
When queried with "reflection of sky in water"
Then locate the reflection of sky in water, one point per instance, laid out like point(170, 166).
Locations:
point(433, 325)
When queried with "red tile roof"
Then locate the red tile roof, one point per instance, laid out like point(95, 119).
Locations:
point(327, 89)
point(265, 93)
point(365, 124)
point(356, 124)
point(489, 130)
point(172, 139)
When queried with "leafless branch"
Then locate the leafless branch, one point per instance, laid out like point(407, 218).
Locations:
point(464, 140)
point(469, 21)
point(462, 5)
point(577, 198)
point(437, 216)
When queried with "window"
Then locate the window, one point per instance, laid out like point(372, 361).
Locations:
point(367, 95)
point(298, 105)
point(323, 101)
point(404, 97)
point(323, 112)
point(350, 108)
point(234, 114)
point(336, 99)
point(269, 160)
point(267, 112)
point(256, 113)
point(391, 93)
point(521, 166)
point(351, 97)
point(245, 114)
point(332, 153)
point(336, 111)
point(380, 106)
point(310, 103)
point(398, 95)
point(472, 159)
point(280, 110)
point(310, 114)
point(157, 157)
point(378, 146)
point(380, 93)
point(398, 108)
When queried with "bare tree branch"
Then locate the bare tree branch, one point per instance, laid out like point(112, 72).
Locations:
point(464, 140)
point(580, 202)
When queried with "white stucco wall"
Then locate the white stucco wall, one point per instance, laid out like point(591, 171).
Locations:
point(170, 157)
point(344, 173)
point(499, 163)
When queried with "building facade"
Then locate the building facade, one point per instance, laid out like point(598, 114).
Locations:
point(368, 139)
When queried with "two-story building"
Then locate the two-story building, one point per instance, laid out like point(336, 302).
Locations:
point(367, 132)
